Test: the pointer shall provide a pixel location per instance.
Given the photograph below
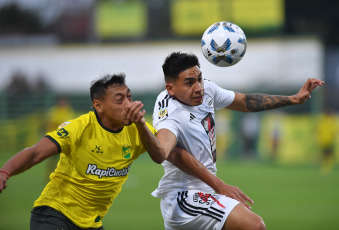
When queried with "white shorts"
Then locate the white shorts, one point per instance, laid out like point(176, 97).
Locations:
point(196, 210)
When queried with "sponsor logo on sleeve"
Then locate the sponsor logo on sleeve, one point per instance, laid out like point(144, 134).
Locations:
point(163, 113)
point(62, 132)
point(64, 124)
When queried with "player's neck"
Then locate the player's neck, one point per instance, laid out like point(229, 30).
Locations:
point(108, 125)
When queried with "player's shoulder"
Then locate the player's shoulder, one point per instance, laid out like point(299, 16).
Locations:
point(163, 95)
point(209, 85)
point(164, 100)
point(78, 123)
point(164, 106)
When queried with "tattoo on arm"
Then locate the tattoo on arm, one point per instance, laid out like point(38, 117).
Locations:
point(261, 102)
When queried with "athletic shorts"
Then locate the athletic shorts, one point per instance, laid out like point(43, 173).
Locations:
point(196, 210)
point(47, 218)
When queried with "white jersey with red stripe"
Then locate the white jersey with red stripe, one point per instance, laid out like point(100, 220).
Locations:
point(194, 127)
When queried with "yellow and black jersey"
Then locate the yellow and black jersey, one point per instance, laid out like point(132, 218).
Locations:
point(94, 164)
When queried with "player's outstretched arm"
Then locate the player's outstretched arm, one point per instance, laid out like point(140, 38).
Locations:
point(262, 102)
point(26, 158)
point(187, 163)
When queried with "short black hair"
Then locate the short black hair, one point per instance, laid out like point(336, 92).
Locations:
point(99, 86)
point(177, 62)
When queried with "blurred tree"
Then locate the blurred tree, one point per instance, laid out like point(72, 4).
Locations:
point(14, 20)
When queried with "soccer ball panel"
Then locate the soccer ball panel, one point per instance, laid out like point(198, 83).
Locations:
point(223, 44)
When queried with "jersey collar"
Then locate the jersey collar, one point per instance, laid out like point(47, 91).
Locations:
point(105, 128)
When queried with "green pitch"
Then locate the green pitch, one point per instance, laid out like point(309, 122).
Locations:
point(285, 197)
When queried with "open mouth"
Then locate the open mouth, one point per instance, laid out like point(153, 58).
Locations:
point(197, 98)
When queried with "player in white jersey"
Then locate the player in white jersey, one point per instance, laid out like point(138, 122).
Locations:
point(192, 197)
point(191, 125)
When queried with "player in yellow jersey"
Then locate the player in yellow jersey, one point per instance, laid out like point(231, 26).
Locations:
point(96, 152)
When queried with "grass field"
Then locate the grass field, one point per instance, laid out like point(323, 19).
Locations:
point(285, 197)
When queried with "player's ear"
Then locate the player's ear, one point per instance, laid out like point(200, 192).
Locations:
point(169, 87)
point(97, 105)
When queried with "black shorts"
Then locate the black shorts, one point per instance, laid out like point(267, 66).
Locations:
point(47, 218)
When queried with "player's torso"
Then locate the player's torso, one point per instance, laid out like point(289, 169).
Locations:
point(100, 152)
point(197, 133)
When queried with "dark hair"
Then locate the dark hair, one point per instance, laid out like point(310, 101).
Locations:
point(99, 86)
point(177, 62)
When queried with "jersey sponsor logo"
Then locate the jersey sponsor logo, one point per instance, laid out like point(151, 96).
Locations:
point(93, 169)
point(62, 132)
point(126, 151)
point(97, 149)
point(209, 125)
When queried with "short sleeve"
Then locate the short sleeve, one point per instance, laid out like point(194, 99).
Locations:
point(222, 97)
point(170, 124)
point(62, 137)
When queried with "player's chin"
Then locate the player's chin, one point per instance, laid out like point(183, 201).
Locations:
point(197, 101)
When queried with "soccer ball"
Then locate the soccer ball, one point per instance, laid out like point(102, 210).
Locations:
point(223, 44)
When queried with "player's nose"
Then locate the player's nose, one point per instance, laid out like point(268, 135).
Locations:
point(199, 87)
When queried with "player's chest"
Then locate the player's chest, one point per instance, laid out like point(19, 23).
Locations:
point(196, 117)
point(105, 151)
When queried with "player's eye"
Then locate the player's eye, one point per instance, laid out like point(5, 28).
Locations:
point(119, 99)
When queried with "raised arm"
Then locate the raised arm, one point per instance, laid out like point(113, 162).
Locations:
point(27, 158)
point(157, 151)
point(262, 102)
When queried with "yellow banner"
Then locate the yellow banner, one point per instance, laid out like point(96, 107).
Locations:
point(193, 17)
point(121, 19)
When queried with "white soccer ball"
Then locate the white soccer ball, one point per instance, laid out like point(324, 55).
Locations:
point(224, 44)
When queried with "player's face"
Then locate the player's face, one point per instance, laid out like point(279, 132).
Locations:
point(113, 105)
point(188, 88)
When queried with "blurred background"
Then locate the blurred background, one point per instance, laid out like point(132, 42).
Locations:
point(50, 51)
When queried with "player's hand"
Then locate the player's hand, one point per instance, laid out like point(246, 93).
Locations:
point(305, 91)
point(3, 181)
point(134, 112)
point(235, 193)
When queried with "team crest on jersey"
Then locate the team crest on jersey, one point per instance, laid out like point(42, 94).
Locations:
point(163, 113)
point(62, 132)
point(97, 149)
point(126, 151)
